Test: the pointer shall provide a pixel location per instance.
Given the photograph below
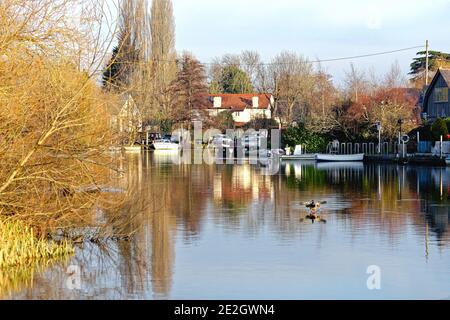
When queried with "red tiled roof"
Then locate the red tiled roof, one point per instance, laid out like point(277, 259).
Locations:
point(238, 102)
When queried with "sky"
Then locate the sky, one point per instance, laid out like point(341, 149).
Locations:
point(320, 29)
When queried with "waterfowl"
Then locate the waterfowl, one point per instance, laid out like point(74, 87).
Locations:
point(314, 207)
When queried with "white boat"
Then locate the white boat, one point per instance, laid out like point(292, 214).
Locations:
point(311, 156)
point(165, 144)
point(340, 157)
point(131, 149)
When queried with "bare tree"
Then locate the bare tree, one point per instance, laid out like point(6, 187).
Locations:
point(356, 83)
point(323, 101)
point(54, 128)
point(163, 57)
point(250, 62)
point(295, 80)
point(394, 77)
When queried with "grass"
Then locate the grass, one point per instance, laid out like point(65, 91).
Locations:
point(20, 247)
point(15, 278)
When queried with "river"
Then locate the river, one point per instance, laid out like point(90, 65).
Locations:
point(233, 232)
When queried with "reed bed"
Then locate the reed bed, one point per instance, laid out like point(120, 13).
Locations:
point(19, 246)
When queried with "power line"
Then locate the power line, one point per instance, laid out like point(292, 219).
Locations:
point(333, 59)
point(288, 63)
point(367, 55)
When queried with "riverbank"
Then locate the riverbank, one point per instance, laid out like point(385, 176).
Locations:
point(416, 159)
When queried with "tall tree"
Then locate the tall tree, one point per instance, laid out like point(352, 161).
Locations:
point(294, 78)
point(436, 60)
point(133, 49)
point(324, 97)
point(190, 87)
point(235, 80)
point(163, 57)
point(114, 74)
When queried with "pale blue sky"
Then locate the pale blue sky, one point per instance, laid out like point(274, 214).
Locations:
point(318, 29)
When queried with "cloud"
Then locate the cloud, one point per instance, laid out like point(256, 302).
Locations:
point(371, 14)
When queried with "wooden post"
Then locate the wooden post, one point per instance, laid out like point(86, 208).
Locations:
point(403, 149)
point(441, 147)
point(426, 63)
point(379, 141)
point(418, 141)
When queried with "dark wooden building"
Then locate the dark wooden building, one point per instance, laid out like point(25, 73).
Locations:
point(435, 102)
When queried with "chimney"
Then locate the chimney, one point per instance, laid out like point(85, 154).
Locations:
point(255, 102)
point(217, 102)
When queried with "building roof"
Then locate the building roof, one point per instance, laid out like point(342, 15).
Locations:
point(239, 102)
point(446, 75)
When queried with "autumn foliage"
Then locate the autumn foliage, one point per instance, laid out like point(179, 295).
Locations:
point(53, 121)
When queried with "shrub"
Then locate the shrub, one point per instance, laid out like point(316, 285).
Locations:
point(447, 121)
point(313, 142)
point(439, 128)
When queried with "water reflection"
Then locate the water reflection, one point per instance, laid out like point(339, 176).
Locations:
point(196, 222)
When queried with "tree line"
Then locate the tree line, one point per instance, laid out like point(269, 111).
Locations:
point(171, 89)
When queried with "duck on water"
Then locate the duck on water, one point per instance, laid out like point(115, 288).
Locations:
point(314, 211)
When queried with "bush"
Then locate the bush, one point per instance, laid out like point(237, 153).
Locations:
point(261, 123)
point(313, 142)
point(447, 121)
point(439, 128)
point(224, 120)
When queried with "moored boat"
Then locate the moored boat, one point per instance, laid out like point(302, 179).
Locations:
point(130, 149)
point(165, 144)
point(311, 156)
point(340, 157)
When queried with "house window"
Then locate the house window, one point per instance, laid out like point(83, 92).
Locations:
point(441, 95)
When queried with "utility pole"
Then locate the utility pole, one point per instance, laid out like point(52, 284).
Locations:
point(426, 63)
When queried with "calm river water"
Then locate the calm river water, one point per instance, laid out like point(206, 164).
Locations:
point(232, 232)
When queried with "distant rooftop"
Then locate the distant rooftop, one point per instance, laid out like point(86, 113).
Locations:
point(238, 102)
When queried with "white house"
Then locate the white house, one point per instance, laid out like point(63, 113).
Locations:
point(244, 107)
point(128, 117)
point(126, 120)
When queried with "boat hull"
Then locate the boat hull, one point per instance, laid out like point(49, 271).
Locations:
point(133, 149)
point(165, 146)
point(299, 157)
point(340, 157)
